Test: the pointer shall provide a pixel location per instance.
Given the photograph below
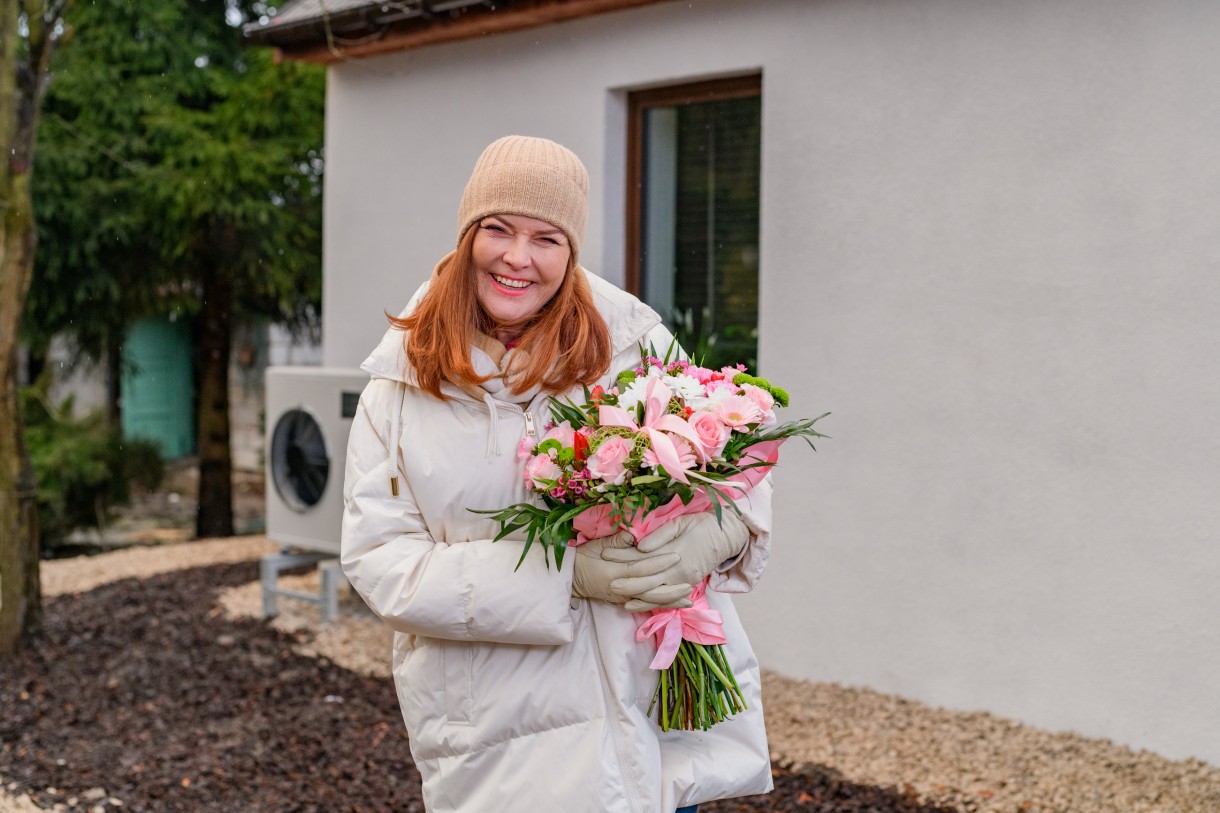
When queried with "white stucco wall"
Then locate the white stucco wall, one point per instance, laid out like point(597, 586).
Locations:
point(72, 376)
point(990, 245)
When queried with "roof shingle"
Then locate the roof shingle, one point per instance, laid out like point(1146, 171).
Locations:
point(298, 11)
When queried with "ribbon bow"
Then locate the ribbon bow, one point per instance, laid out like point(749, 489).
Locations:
point(698, 623)
point(657, 421)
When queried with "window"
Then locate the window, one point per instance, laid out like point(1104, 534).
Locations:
point(692, 212)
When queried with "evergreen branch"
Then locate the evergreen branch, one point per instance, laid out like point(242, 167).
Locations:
point(102, 148)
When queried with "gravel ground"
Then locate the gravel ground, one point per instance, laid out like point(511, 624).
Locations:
point(834, 748)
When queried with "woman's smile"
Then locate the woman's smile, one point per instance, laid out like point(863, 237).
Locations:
point(517, 285)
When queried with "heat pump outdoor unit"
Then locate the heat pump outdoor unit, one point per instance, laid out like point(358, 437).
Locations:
point(309, 416)
point(309, 413)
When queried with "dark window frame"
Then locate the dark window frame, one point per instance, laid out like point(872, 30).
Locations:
point(638, 102)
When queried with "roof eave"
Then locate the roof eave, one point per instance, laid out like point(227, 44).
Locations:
point(368, 31)
point(311, 30)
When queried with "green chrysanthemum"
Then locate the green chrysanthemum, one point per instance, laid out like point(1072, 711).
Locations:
point(746, 378)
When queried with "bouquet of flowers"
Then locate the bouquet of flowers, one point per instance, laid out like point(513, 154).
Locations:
point(669, 438)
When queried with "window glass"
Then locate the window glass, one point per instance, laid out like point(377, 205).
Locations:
point(696, 214)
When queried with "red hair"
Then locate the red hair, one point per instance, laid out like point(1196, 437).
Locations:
point(564, 344)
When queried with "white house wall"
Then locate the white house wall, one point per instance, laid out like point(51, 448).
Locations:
point(989, 246)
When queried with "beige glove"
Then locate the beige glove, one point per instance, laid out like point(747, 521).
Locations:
point(593, 571)
point(700, 543)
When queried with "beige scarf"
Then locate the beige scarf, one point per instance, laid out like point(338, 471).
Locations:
point(490, 357)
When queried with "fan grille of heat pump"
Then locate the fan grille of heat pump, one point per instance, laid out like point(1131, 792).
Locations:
point(300, 466)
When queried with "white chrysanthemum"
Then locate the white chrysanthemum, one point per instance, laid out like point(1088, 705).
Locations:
point(684, 386)
point(634, 394)
point(706, 402)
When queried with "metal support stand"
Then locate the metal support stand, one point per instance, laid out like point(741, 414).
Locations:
point(273, 564)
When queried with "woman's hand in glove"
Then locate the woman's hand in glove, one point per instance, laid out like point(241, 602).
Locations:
point(699, 542)
point(594, 570)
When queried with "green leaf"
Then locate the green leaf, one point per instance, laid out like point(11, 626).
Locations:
point(673, 343)
point(524, 550)
point(712, 495)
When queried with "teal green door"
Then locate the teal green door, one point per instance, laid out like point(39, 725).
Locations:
point(157, 385)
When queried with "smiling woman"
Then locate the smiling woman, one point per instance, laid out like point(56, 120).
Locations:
point(505, 667)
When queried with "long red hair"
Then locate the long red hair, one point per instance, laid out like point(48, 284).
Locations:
point(565, 344)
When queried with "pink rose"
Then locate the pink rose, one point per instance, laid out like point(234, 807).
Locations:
point(711, 432)
point(562, 432)
point(700, 374)
point(737, 411)
point(541, 472)
point(609, 462)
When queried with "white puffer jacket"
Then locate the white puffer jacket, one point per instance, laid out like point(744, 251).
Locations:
point(516, 696)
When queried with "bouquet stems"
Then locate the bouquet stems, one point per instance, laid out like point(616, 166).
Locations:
point(698, 689)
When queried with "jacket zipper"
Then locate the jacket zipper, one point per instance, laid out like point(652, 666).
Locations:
point(530, 423)
point(616, 732)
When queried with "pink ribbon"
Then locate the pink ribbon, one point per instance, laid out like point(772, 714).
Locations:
point(656, 423)
point(698, 623)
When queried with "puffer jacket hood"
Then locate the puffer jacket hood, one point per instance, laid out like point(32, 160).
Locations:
point(516, 696)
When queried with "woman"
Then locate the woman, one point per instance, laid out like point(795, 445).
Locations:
point(527, 690)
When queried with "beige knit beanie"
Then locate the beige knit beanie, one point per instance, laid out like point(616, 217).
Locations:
point(534, 177)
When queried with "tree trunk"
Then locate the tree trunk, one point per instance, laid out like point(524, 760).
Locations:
point(20, 591)
point(114, 379)
point(20, 587)
point(22, 84)
point(215, 517)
